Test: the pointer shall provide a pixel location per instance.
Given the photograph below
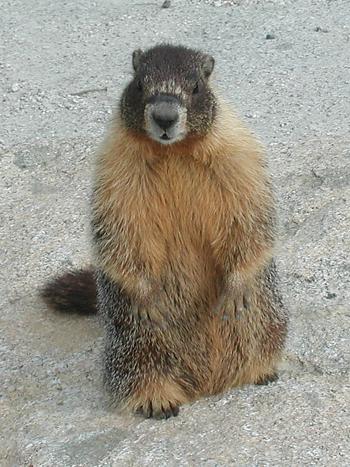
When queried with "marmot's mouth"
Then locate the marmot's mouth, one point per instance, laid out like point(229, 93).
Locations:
point(165, 137)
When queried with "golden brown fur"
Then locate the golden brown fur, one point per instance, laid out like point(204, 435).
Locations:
point(194, 211)
point(183, 223)
point(148, 190)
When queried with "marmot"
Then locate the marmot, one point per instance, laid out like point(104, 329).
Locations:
point(183, 221)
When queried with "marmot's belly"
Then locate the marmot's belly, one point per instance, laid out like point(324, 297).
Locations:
point(191, 277)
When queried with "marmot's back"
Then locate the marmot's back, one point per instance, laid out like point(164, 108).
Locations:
point(183, 221)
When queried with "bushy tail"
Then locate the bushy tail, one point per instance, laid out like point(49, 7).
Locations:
point(73, 292)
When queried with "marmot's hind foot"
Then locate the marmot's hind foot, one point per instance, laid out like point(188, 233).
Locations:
point(160, 399)
point(265, 380)
point(152, 409)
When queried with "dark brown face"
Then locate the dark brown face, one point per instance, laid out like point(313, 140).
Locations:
point(169, 96)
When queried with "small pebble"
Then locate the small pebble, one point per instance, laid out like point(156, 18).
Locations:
point(270, 36)
point(15, 87)
point(166, 4)
point(319, 29)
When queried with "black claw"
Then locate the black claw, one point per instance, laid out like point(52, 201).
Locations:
point(164, 414)
point(268, 379)
point(149, 410)
point(140, 411)
point(175, 410)
point(159, 415)
point(145, 410)
point(245, 302)
point(168, 413)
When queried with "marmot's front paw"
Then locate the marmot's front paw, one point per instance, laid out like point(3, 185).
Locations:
point(147, 315)
point(241, 302)
point(233, 301)
point(143, 306)
point(152, 409)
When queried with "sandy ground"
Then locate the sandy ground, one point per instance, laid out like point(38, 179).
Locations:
point(62, 66)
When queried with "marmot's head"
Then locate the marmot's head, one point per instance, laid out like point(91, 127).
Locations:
point(169, 96)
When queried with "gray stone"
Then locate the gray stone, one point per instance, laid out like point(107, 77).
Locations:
point(166, 4)
point(293, 93)
point(15, 87)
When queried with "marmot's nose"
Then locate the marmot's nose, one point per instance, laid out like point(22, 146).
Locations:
point(165, 117)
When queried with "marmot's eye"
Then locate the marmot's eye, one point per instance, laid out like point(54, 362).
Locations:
point(139, 85)
point(196, 89)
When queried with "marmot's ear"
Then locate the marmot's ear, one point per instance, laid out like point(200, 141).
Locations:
point(208, 65)
point(136, 56)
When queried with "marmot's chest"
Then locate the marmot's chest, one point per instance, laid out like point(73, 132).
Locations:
point(174, 237)
point(178, 213)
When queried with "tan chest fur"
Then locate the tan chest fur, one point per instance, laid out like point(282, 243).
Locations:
point(177, 214)
point(170, 211)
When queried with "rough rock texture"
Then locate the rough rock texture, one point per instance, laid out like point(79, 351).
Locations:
point(62, 64)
